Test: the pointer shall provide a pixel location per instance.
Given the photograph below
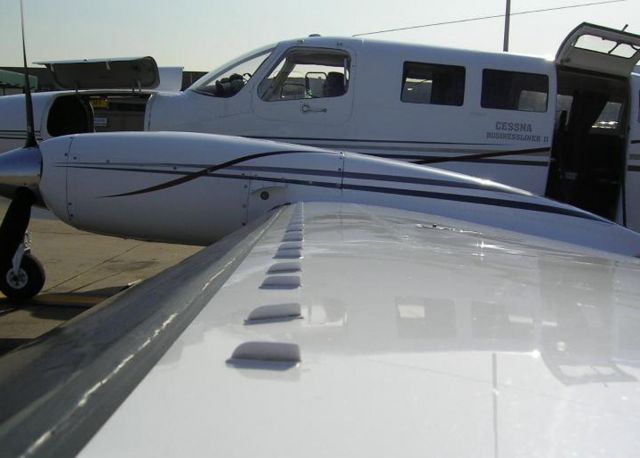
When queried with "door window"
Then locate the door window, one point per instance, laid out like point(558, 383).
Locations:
point(307, 74)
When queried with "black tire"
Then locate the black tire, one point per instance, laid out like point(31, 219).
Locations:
point(29, 282)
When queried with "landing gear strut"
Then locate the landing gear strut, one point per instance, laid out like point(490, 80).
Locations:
point(21, 274)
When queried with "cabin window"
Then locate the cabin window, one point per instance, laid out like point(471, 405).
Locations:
point(519, 91)
point(228, 81)
point(433, 84)
point(307, 74)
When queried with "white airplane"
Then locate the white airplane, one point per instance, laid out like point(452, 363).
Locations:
point(568, 129)
point(354, 306)
point(150, 186)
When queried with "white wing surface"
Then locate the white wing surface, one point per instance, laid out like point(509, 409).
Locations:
point(353, 330)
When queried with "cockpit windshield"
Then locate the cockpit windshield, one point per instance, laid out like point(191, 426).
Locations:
point(229, 79)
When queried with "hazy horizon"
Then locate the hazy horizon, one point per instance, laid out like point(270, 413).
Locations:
point(200, 35)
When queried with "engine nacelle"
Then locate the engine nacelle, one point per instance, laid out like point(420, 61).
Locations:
point(196, 188)
point(90, 182)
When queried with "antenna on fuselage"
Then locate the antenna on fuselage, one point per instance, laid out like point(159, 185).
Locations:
point(31, 131)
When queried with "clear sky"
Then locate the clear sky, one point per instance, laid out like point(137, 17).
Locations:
point(201, 34)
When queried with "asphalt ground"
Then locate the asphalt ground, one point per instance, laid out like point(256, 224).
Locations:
point(82, 270)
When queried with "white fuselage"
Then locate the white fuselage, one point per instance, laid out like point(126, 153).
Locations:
point(371, 118)
point(514, 146)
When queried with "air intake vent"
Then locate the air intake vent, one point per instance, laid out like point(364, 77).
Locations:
point(265, 355)
point(294, 236)
point(290, 246)
point(288, 253)
point(295, 227)
point(275, 313)
point(281, 282)
point(285, 267)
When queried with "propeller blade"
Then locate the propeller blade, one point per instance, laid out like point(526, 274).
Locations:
point(31, 131)
point(20, 172)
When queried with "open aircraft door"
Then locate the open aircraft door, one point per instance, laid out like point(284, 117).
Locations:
point(589, 153)
point(599, 49)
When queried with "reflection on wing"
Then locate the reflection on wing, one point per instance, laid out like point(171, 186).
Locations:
point(379, 330)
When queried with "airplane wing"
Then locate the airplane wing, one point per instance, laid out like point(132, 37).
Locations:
point(330, 329)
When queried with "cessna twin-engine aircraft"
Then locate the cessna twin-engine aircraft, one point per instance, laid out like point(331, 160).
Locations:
point(568, 129)
point(355, 306)
point(562, 128)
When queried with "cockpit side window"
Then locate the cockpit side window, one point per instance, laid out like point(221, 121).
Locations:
point(307, 74)
point(229, 81)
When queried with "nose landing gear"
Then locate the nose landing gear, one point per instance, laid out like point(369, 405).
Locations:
point(25, 277)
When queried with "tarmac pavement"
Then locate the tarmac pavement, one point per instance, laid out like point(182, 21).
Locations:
point(82, 270)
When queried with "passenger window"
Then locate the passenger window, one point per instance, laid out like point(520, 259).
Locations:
point(307, 74)
point(433, 84)
point(514, 90)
